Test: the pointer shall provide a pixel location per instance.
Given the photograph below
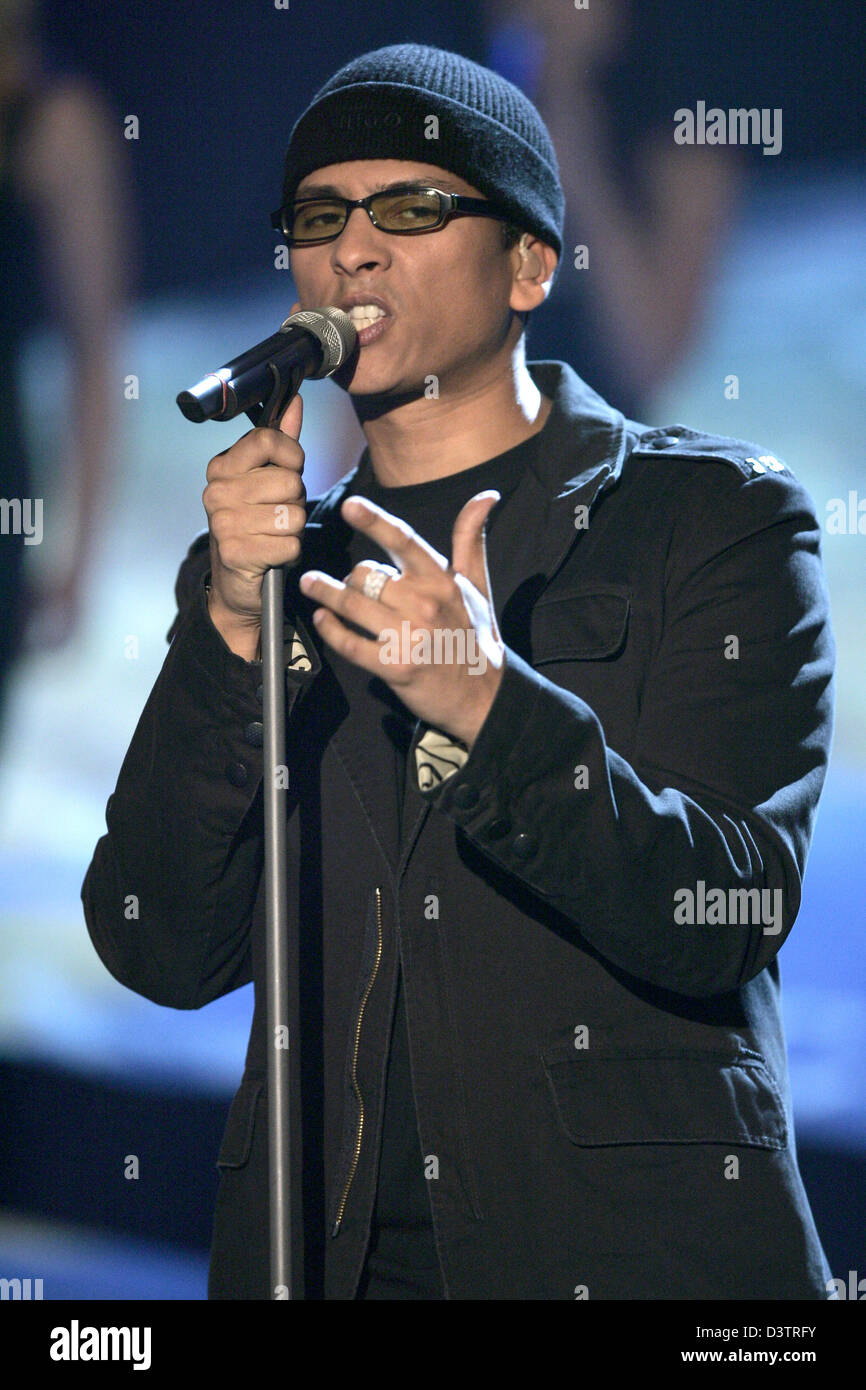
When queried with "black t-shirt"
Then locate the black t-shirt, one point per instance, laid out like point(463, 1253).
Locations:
point(401, 1260)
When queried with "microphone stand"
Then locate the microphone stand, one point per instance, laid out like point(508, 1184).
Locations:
point(276, 895)
point(337, 339)
point(276, 932)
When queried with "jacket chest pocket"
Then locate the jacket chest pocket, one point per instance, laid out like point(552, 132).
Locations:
point(584, 623)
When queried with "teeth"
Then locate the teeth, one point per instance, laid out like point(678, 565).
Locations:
point(364, 315)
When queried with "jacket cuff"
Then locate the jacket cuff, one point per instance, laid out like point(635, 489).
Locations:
point(519, 749)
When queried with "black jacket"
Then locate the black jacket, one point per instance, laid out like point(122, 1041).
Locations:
point(601, 1081)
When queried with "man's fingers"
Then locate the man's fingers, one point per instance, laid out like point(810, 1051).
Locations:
point(468, 545)
point(293, 418)
point(409, 551)
point(253, 450)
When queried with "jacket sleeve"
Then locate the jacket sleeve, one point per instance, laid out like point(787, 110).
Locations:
point(169, 893)
point(648, 857)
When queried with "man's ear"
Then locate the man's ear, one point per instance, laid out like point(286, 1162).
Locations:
point(534, 265)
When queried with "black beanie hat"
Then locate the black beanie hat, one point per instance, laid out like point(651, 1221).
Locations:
point(379, 106)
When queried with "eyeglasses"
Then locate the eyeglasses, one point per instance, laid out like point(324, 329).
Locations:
point(403, 211)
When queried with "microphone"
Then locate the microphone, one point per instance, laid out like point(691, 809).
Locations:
point(311, 343)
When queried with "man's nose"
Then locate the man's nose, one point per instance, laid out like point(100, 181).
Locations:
point(359, 243)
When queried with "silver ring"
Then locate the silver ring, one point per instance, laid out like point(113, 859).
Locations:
point(375, 581)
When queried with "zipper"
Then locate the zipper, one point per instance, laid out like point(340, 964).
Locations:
point(357, 1089)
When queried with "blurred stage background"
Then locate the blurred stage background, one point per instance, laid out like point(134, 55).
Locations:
point(89, 1072)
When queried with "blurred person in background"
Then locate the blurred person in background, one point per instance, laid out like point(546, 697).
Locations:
point(652, 214)
point(64, 236)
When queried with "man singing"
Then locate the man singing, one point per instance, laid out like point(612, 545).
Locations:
point(538, 877)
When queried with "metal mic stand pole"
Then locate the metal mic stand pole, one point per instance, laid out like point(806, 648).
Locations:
point(336, 336)
point(275, 783)
point(277, 965)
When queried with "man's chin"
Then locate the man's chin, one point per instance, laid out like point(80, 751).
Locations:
point(372, 398)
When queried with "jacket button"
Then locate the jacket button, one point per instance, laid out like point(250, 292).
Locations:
point(255, 734)
point(497, 828)
point(524, 846)
point(664, 441)
point(466, 797)
point(237, 774)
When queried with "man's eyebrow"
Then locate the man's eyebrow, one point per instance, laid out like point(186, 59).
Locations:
point(327, 190)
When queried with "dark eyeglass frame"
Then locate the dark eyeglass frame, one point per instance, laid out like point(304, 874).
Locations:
point(450, 205)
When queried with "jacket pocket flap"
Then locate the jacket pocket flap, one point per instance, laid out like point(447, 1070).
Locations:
point(667, 1098)
point(580, 626)
point(238, 1136)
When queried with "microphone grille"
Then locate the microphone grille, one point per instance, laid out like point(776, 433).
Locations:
point(334, 330)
